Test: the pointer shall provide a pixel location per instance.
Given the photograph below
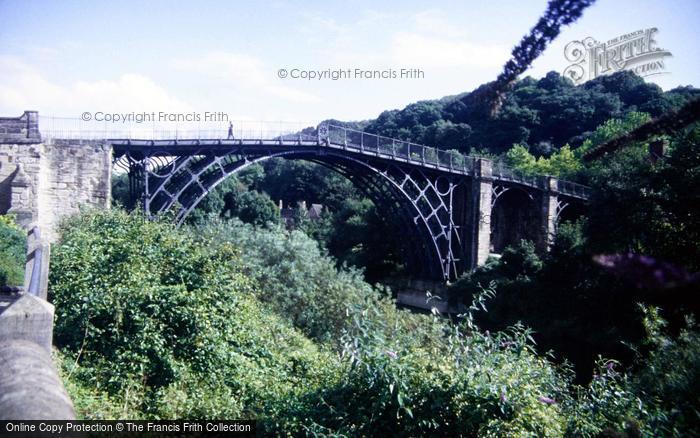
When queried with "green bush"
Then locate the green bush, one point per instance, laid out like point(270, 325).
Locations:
point(296, 279)
point(145, 309)
point(156, 322)
point(659, 398)
point(13, 250)
point(669, 377)
point(575, 308)
point(425, 376)
point(607, 405)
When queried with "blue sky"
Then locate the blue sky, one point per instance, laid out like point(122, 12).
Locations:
point(63, 58)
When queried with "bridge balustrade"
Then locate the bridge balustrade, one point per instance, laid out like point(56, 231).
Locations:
point(399, 149)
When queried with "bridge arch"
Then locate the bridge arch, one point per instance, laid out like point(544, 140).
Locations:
point(515, 216)
point(387, 201)
point(420, 200)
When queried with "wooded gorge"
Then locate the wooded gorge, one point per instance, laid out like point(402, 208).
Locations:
point(235, 315)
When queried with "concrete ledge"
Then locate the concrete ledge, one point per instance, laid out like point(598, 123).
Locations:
point(28, 318)
point(30, 388)
point(418, 300)
point(413, 293)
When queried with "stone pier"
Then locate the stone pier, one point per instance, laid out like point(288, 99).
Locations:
point(42, 181)
point(549, 214)
point(482, 189)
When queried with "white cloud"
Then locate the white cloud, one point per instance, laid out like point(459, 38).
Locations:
point(128, 92)
point(428, 39)
point(434, 21)
point(422, 51)
point(244, 72)
point(24, 87)
point(346, 42)
point(245, 84)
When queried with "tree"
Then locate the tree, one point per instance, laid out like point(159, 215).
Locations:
point(444, 134)
point(649, 208)
point(520, 159)
point(251, 207)
point(612, 128)
point(550, 110)
point(564, 164)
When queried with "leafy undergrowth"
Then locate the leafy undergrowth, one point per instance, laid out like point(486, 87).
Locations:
point(169, 326)
point(156, 322)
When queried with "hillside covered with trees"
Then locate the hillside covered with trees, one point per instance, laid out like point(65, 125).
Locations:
point(543, 114)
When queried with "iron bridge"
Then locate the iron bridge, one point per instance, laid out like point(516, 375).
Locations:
point(435, 197)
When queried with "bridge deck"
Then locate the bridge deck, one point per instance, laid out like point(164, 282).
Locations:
point(270, 138)
point(396, 151)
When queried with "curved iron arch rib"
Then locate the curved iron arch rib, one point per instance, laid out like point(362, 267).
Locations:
point(387, 200)
point(430, 207)
point(416, 195)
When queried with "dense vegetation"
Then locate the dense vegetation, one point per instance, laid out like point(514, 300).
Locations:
point(638, 206)
point(235, 316)
point(13, 251)
point(154, 322)
point(542, 114)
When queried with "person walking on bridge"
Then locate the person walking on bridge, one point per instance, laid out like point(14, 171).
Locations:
point(230, 131)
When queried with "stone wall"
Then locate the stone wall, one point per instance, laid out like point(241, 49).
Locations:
point(20, 166)
point(74, 175)
point(41, 183)
point(22, 129)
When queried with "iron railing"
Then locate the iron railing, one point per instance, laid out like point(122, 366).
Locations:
point(447, 160)
point(574, 189)
point(70, 128)
point(397, 149)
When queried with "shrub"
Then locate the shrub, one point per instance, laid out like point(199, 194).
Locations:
point(143, 308)
point(155, 322)
point(434, 378)
point(13, 250)
point(607, 404)
point(575, 308)
point(669, 378)
point(296, 279)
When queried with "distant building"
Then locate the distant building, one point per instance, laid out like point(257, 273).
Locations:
point(657, 150)
point(314, 213)
point(289, 214)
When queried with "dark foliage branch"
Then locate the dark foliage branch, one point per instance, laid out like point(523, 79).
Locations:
point(647, 272)
point(559, 13)
point(664, 124)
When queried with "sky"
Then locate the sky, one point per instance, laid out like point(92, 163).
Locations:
point(69, 57)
